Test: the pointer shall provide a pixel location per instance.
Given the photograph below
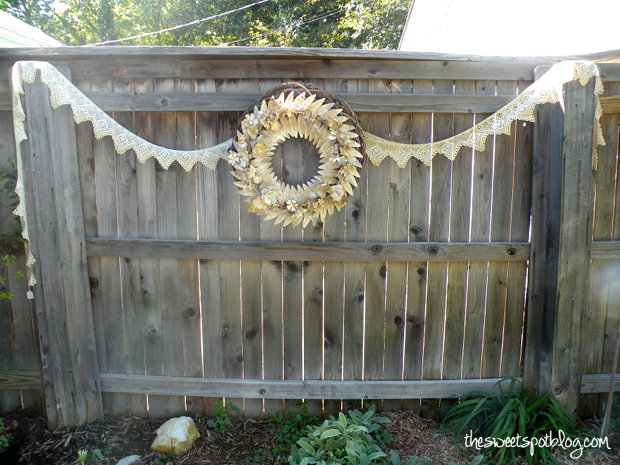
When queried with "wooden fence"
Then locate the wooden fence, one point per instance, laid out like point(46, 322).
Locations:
point(159, 293)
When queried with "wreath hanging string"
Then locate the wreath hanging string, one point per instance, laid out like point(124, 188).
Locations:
point(294, 110)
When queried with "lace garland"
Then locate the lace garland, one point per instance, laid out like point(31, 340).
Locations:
point(547, 89)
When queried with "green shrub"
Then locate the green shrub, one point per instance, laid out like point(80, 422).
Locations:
point(355, 439)
point(6, 434)
point(513, 412)
point(286, 432)
point(221, 419)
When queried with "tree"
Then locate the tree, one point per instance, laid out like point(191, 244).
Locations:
point(38, 13)
point(307, 23)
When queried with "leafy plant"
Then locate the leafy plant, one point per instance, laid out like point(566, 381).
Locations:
point(221, 419)
point(286, 432)
point(6, 434)
point(8, 179)
point(13, 234)
point(160, 459)
point(355, 439)
point(96, 455)
point(513, 412)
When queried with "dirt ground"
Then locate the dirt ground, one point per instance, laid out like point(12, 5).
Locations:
point(118, 437)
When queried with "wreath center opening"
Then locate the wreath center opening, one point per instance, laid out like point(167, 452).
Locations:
point(296, 161)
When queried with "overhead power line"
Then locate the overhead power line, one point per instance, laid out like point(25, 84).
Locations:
point(302, 23)
point(181, 25)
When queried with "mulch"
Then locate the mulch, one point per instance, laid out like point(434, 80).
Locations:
point(116, 437)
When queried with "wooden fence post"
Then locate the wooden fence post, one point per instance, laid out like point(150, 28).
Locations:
point(561, 238)
point(62, 295)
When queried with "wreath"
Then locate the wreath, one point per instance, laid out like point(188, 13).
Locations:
point(297, 113)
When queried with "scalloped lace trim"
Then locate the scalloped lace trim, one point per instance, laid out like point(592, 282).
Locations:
point(548, 89)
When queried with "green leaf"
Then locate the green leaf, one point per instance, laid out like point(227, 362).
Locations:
point(330, 434)
point(395, 459)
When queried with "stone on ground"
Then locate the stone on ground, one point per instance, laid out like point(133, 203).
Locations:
point(128, 460)
point(176, 436)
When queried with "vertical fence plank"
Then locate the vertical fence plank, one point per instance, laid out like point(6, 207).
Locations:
point(43, 332)
point(230, 269)
point(292, 286)
point(189, 310)
point(86, 162)
point(107, 226)
point(150, 284)
point(271, 274)
point(600, 271)
point(314, 331)
point(208, 227)
point(575, 242)
point(519, 232)
point(421, 130)
point(63, 301)
point(334, 285)
point(355, 273)
point(398, 231)
point(315, 342)
point(251, 294)
point(438, 231)
point(460, 198)
point(169, 270)
point(376, 230)
point(126, 194)
point(480, 223)
point(542, 277)
point(613, 311)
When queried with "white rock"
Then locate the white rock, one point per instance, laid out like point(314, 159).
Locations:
point(128, 460)
point(176, 436)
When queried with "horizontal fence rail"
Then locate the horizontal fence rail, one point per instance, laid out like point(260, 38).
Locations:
point(308, 251)
point(294, 389)
point(320, 389)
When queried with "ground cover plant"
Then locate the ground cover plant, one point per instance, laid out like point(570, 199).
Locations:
point(357, 438)
point(6, 434)
point(513, 412)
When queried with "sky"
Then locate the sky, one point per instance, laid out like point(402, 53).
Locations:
point(503, 27)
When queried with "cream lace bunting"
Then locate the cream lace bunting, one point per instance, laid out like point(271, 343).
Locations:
point(548, 89)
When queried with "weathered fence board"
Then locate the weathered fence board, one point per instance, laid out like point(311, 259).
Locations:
point(272, 282)
point(209, 270)
point(333, 290)
point(398, 230)
point(376, 230)
point(61, 296)
point(519, 231)
point(251, 292)
point(419, 209)
point(228, 229)
point(127, 206)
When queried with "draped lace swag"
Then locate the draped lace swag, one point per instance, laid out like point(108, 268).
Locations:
point(547, 89)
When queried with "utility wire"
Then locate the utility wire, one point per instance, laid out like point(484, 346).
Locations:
point(180, 26)
point(302, 23)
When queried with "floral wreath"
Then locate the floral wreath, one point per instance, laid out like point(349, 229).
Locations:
point(277, 119)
